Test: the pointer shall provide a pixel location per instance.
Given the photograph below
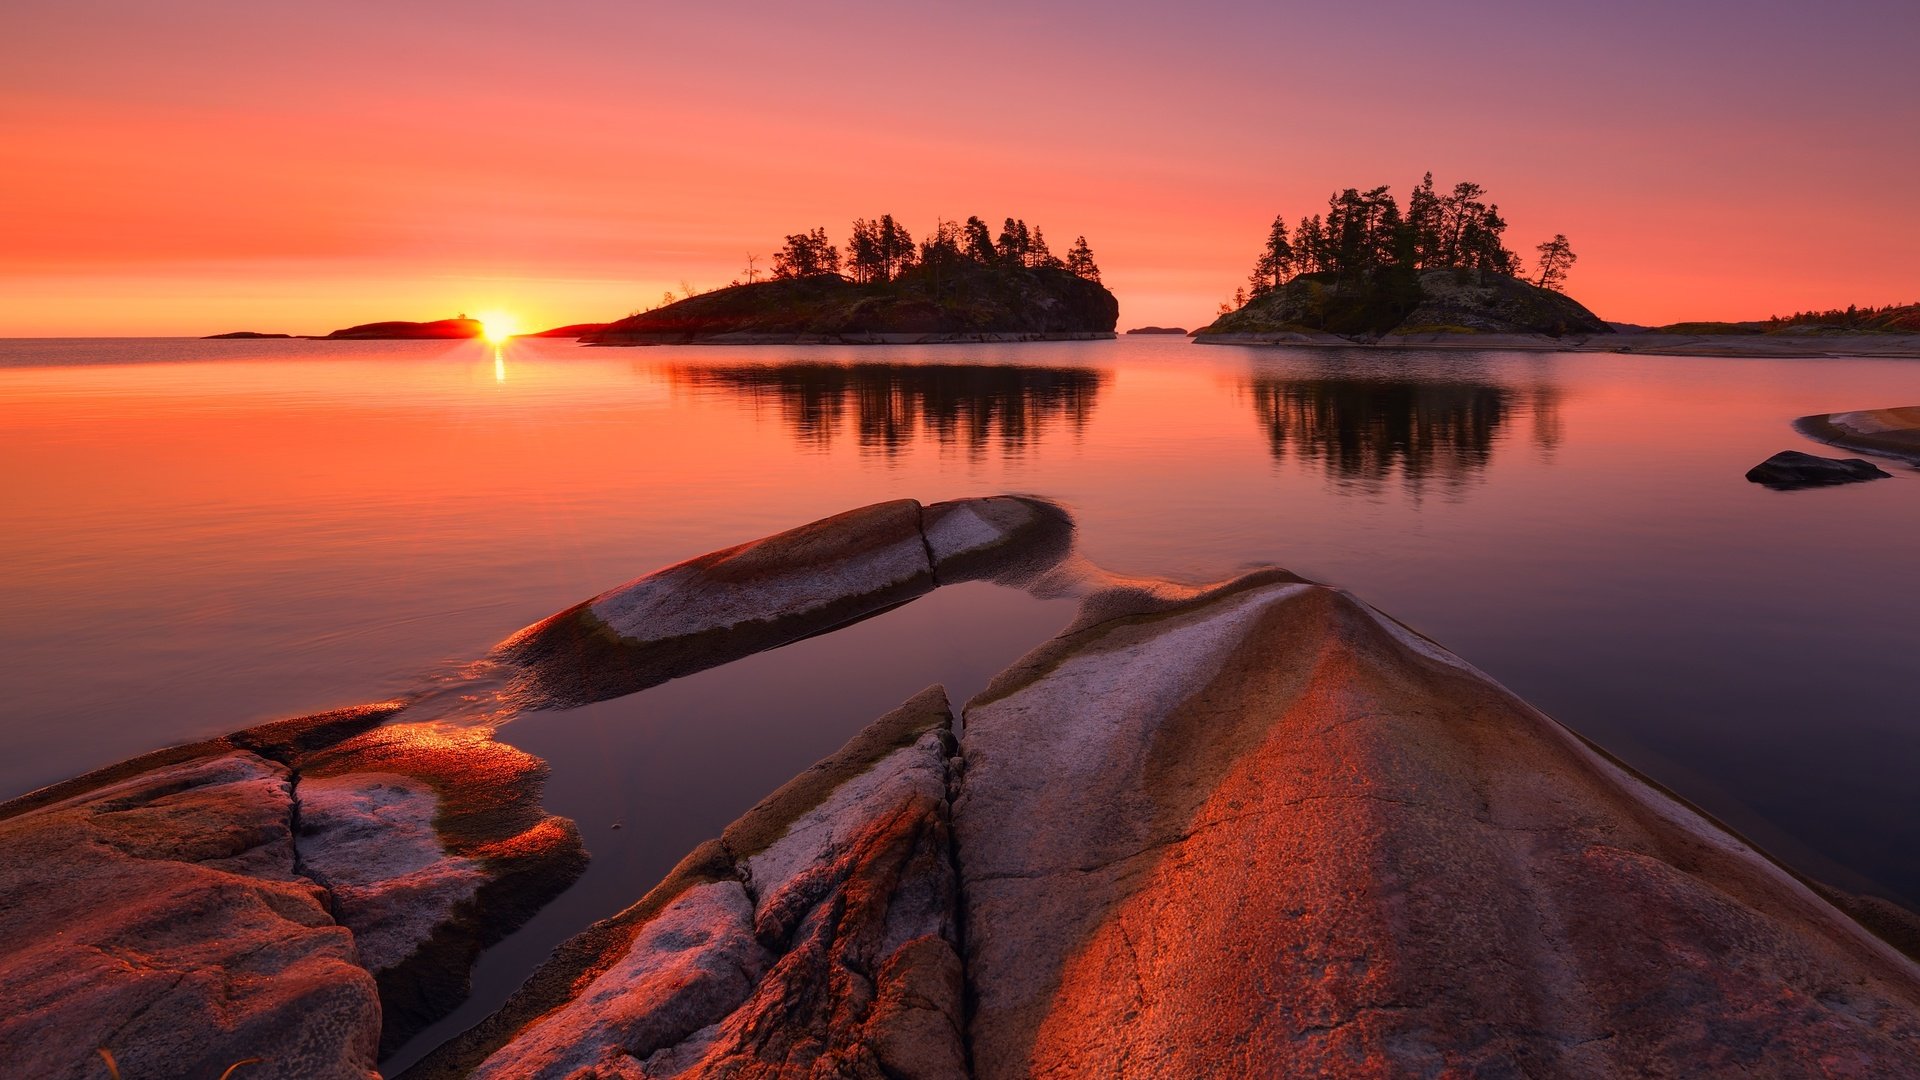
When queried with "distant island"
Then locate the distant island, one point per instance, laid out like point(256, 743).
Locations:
point(571, 330)
point(1158, 330)
point(959, 284)
point(461, 327)
point(235, 334)
point(1368, 271)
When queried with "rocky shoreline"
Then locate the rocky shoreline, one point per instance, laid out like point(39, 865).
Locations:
point(1893, 433)
point(1903, 346)
point(1253, 828)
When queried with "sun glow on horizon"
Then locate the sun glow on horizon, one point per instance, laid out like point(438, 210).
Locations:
point(498, 326)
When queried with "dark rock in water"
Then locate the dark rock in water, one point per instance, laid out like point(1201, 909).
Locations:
point(243, 334)
point(1790, 469)
point(401, 331)
point(817, 937)
point(738, 601)
point(1158, 330)
point(271, 894)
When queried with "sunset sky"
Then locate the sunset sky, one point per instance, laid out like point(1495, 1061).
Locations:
point(196, 167)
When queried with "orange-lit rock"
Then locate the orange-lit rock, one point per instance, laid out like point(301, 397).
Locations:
point(1268, 831)
point(816, 937)
point(263, 894)
point(1889, 432)
point(432, 841)
point(740, 600)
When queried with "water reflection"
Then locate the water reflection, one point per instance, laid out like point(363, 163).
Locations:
point(1365, 431)
point(975, 406)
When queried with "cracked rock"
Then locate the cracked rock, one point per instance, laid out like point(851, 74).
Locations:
point(732, 603)
point(266, 895)
point(1267, 831)
point(817, 937)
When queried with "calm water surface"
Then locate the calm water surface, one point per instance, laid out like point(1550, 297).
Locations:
point(199, 536)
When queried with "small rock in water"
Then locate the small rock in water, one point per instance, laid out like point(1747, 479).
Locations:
point(1790, 469)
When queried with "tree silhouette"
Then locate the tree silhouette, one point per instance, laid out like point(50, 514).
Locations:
point(977, 241)
point(1556, 258)
point(1080, 261)
point(805, 255)
point(1275, 264)
point(1363, 235)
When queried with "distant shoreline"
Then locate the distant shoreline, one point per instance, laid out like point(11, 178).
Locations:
point(1894, 346)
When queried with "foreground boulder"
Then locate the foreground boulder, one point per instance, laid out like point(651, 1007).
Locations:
point(732, 603)
point(1268, 831)
point(817, 937)
point(1790, 469)
point(1892, 432)
point(268, 895)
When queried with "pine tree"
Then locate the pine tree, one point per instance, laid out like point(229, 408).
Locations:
point(1038, 254)
point(977, 241)
point(863, 252)
point(805, 255)
point(1423, 225)
point(1556, 258)
point(1080, 261)
point(1275, 264)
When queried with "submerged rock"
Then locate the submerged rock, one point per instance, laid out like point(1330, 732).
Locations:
point(1269, 831)
point(1792, 469)
point(817, 937)
point(266, 895)
point(732, 603)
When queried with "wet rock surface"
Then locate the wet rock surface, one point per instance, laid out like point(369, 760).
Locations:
point(433, 844)
point(295, 893)
point(741, 600)
point(1790, 469)
point(817, 937)
point(1268, 831)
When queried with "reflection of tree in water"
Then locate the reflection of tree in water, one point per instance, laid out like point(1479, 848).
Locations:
point(1363, 430)
point(973, 405)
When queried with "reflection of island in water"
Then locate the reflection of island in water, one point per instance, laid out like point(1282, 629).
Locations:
point(1363, 431)
point(971, 405)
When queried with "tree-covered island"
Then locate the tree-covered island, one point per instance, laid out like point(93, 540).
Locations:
point(959, 283)
point(1366, 268)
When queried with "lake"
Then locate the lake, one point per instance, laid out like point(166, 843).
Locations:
point(203, 535)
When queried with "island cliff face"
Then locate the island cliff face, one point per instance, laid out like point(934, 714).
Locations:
point(1396, 303)
point(969, 303)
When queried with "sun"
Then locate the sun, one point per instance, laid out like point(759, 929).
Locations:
point(498, 326)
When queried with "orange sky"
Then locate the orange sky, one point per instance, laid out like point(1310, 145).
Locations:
point(217, 165)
